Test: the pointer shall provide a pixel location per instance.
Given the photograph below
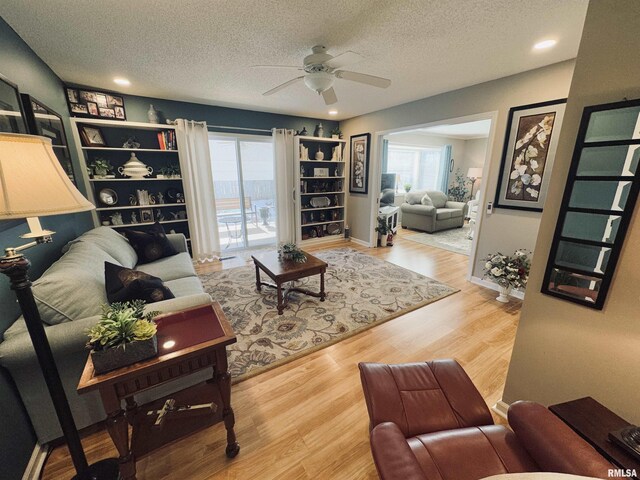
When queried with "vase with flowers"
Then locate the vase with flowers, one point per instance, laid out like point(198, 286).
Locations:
point(508, 271)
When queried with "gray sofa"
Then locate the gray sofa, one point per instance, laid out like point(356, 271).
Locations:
point(430, 211)
point(69, 296)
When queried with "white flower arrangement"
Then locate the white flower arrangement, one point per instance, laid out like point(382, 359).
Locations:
point(508, 270)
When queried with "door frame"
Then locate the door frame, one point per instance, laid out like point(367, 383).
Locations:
point(376, 173)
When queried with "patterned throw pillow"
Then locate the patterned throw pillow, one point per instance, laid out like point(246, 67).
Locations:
point(124, 284)
point(150, 245)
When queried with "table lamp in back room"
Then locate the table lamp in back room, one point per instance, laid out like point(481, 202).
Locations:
point(33, 184)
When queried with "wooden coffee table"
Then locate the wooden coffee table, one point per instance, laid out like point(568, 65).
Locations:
point(283, 271)
point(188, 341)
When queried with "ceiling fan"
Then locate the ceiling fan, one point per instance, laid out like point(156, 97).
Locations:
point(321, 70)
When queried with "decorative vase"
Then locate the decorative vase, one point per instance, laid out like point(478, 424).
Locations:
point(152, 114)
point(383, 240)
point(319, 154)
point(134, 168)
point(112, 358)
point(504, 294)
point(319, 131)
point(390, 239)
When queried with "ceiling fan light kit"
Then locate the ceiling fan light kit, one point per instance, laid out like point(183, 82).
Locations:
point(321, 69)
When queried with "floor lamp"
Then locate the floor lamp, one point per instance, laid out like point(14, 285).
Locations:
point(33, 184)
point(474, 173)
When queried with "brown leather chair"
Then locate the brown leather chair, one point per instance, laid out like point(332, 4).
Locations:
point(428, 421)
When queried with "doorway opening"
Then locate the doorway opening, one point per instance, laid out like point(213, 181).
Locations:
point(431, 177)
point(245, 190)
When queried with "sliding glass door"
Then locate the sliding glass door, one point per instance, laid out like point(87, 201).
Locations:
point(245, 189)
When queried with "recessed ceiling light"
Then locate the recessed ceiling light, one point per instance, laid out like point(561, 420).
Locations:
point(543, 45)
point(122, 81)
point(333, 112)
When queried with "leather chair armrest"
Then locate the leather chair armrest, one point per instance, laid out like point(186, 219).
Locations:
point(552, 443)
point(392, 455)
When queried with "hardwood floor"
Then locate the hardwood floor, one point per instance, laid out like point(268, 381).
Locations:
point(307, 419)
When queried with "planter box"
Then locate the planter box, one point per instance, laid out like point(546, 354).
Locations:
point(112, 358)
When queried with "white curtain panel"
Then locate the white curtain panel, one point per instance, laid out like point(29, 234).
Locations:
point(283, 146)
point(197, 177)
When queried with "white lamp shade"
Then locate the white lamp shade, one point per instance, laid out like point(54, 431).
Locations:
point(474, 172)
point(32, 181)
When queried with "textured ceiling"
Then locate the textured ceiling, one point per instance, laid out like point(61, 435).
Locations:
point(201, 51)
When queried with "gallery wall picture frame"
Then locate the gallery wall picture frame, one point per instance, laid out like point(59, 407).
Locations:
point(44, 121)
point(359, 163)
point(12, 120)
point(95, 104)
point(530, 145)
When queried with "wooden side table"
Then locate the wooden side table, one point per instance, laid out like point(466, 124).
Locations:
point(188, 341)
point(283, 271)
point(593, 422)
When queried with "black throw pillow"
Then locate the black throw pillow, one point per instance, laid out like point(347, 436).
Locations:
point(124, 284)
point(150, 245)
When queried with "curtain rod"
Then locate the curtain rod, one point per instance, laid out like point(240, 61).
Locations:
point(173, 122)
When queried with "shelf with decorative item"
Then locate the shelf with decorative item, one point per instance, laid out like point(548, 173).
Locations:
point(322, 161)
point(157, 150)
point(319, 178)
point(314, 224)
point(147, 223)
point(322, 193)
point(154, 179)
point(129, 207)
point(307, 138)
point(320, 208)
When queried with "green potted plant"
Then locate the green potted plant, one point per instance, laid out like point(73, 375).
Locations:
point(336, 133)
point(407, 187)
point(290, 251)
point(173, 170)
point(383, 230)
point(101, 167)
point(124, 335)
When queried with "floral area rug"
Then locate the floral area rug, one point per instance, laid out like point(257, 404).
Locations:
point(362, 291)
point(455, 239)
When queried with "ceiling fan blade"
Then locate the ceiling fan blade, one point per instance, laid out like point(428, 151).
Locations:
point(297, 67)
point(329, 96)
point(344, 59)
point(283, 86)
point(363, 78)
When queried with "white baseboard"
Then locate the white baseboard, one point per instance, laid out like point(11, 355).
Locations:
point(36, 462)
point(493, 286)
point(501, 408)
point(360, 242)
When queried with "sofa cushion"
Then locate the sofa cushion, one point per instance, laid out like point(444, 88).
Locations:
point(170, 268)
point(414, 198)
point(110, 241)
point(182, 287)
point(444, 213)
point(426, 200)
point(150, 245)
point(439, 199)
point(124, 284)
point(418, 209)
point(73, 287)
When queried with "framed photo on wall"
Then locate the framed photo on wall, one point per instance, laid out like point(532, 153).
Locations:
point(359, 151)
point(93, 104)
point(529, 150)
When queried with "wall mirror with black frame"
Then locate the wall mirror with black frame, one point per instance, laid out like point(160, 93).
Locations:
point(42, 120)
point(11, 121)
point(597, 206)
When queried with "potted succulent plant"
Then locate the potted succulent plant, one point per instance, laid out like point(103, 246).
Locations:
point(101, 167)
point(124, 335)
point(407, 187)
point(336, 133)
point(383, 230)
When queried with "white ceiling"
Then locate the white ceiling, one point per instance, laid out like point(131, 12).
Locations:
point(463, 131)
point(201, 51)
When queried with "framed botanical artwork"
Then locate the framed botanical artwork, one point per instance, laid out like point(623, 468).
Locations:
point(529, 150)
point(88, 103)
point(359, 178)
point(92, 137)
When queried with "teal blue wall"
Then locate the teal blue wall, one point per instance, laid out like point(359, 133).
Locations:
point(22, 66)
